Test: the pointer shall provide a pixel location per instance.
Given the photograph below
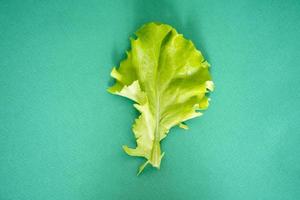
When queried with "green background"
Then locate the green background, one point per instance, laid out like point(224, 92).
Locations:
point(61, 133)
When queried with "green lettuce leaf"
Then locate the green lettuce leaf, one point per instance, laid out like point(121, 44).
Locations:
point(168, 79)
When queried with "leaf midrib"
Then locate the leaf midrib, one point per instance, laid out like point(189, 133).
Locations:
point(157, 93)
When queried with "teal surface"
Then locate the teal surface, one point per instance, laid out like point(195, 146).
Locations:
point(61, 133)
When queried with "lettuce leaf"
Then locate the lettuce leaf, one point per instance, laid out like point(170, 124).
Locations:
point(168, 79)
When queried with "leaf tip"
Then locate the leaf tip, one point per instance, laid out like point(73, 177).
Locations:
point(210, 85)
point(183, 126)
